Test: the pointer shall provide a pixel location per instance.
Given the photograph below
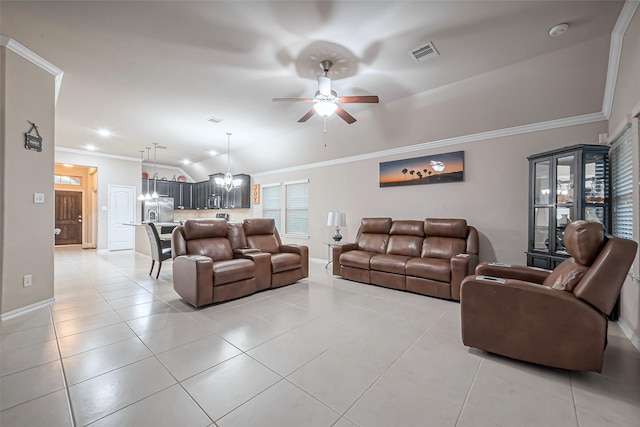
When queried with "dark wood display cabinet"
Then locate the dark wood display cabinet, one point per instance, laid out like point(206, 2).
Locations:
point(239, 197)
point(565, 185)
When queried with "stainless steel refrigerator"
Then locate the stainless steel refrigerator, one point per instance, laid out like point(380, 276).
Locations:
point(160, 210)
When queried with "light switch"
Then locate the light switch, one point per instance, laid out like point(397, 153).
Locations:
point(38, 197)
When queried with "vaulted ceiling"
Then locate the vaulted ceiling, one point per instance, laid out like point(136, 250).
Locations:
point(157, 71)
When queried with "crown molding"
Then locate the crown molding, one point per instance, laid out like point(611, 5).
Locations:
point(615, 53)
point(93, 153)
point(517, 130)
point(36, 59)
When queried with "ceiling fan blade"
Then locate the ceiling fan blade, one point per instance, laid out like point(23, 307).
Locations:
point(344, 115)
point(366, 99)
point(307, 116)
point(324, 85)
point(292, 99)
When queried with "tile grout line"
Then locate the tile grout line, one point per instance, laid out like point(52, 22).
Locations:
point(573, 399)
point(473, 381)
point(64, 374)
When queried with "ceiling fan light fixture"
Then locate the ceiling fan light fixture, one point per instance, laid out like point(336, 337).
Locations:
point(325, 108)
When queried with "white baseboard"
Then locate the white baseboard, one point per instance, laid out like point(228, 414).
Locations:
point(318, 260)
point(26, 309)
point(635, 340)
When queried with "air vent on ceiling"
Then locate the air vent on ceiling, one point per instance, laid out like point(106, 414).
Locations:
point(214, 120)
point(422, 53)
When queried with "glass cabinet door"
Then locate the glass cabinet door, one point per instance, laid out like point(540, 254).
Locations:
point(595, 188)
point(565, 198)
point(541, 212)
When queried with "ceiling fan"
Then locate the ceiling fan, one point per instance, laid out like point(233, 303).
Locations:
point(327, 101)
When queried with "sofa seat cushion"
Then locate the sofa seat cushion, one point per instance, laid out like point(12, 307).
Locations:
point(232, 271)
point(429, 268)
point(285, 262)
point(389, 263)
point(357, 259)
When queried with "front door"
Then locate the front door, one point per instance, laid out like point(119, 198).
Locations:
point(69, 217)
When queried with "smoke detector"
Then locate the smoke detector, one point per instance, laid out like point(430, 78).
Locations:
point(558, 30)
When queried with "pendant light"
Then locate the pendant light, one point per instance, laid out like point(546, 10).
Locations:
point(155, 170)
point(141, 196)
point(228, 183)
point(147, 196)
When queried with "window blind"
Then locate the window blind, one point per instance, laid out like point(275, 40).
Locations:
point(297, 208)
point(622, 185)
point(272, 204)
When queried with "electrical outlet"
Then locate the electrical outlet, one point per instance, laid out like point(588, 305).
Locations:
point(26, 280)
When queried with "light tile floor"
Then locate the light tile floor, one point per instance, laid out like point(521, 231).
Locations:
point(119, 348)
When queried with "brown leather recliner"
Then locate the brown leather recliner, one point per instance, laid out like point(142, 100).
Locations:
point(289, 263)
point(555, 318)
point(204, 268)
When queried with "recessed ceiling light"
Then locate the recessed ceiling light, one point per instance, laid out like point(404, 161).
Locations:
point(213, 152)
point(558, 30)
point(91, 147)
point(104, 132)
point(186, 162)
point(67, 165)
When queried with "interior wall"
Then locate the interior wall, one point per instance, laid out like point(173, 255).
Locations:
point(111, 171)
point(27, 228)
point(627, 99)
point(493, 197)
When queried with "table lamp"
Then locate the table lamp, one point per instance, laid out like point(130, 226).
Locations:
point(337, 220)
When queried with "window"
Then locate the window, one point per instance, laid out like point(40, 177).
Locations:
point(272, 202)
point(67, 180)
point(292, 198)
point(622, 185)
point(297, 208)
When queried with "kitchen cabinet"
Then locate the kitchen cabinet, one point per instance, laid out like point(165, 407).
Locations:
point(182, 195)
point(565, 185)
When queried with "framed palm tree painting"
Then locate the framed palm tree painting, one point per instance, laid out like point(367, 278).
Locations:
point(436, 169)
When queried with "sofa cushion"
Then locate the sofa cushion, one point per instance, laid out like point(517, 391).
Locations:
point(285, 262)
point(356, 259)
point(389, 263)
point(232, 271)
point(446, 227)
point(264, 242)
point(375, 225)
point(376, 243)
point(216, 248)
point(442, 247)
point(203, 228)
point(407, 228)
point(566, 276)
point(429, 268)
point(410, 246)
point(259, 226)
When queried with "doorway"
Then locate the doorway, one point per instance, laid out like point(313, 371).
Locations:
point(122, 214)
point(68, 217)
point(76, 203)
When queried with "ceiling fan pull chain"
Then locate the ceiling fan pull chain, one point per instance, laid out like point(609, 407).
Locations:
point(324, 131)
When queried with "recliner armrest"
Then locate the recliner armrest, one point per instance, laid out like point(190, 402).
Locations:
point(462, 265)
point(262, 260)
point(193, 279)
point(508, 271)
point(238, 253)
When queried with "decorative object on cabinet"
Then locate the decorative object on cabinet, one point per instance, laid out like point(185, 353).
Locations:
point(337, 220)
point(566, 185)
point(448, 167)
point(31, 141)
point(228, 182)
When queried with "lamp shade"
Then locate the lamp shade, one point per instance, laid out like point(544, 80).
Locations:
point(325, 108)
point(337, 219)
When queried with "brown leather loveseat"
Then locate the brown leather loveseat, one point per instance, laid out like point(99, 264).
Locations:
point(555, 318)
point(429, 257)
point(212, 262)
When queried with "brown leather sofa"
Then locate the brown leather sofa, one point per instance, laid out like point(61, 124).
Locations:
point(429, 257)
point(555, 318)
point(212, 262)
point(289, 263)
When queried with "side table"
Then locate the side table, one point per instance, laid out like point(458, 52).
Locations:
point(330, 246)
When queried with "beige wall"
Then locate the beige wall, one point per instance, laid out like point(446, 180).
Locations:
point(111, 171)
point(493, 196)
point(27, 228)
point(625, 102)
